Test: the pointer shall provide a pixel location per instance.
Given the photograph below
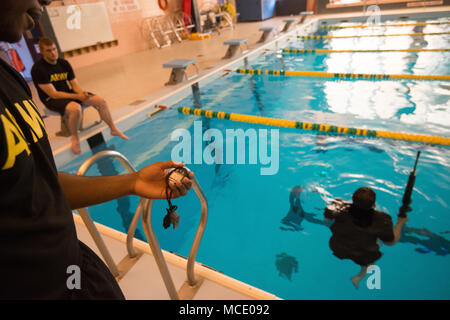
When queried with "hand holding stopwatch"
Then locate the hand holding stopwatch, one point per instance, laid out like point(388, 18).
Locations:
point(175, 175)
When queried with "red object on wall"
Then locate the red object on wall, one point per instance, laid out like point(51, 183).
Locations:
point(16, 61)
point(186, 8)
point(163, 4)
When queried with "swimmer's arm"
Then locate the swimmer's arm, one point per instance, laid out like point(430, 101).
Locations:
point(397, 231)
point(51, 91)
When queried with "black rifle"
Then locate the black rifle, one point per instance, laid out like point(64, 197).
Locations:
point(408, 191)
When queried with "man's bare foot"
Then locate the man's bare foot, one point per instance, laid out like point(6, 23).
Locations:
point(76, 145)
point(117, 133)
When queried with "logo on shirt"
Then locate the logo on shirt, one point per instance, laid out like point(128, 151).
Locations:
point(58, 77)
point(16, 142)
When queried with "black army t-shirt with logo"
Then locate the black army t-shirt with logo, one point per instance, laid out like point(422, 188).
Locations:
point(37, 234)
point(38, 241)
point(56, 74)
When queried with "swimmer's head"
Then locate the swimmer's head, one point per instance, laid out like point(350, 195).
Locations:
point(48, 50)
point(364, 198)
point(18, 16)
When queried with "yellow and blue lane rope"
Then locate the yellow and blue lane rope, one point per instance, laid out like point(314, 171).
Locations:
point(354, 76)
point(324, 128)
point(303, 51)
point(373, 35)
point(386, 25)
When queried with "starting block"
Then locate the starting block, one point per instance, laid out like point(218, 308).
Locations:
point(289, 22)
point(266, 33)
point(234, 45)
point(303, 16)
point(178, 67)
point(64, 131)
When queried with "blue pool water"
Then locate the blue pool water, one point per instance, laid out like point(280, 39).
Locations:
point(250, 234)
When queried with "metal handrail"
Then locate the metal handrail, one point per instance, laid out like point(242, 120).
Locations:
point(146, 221)
point(132, 229)
point(84, 213)
point(145, 206)
point(156, 250)
point(199, 234)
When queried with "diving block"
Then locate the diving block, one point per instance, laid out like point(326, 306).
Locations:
point(266, 33)
point(289, 22)
point(234, 45)
point(303, 16)
point(178, 67)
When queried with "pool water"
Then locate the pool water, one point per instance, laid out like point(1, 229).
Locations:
point(251, 234)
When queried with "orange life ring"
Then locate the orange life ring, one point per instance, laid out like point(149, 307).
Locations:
point(163, 4)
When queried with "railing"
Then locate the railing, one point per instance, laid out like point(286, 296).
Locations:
point(145, 206)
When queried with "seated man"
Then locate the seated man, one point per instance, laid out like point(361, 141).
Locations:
point(356, 228)
point(50, 76)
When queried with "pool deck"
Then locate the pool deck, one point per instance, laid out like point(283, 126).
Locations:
point(143, 280)
point(144, 78)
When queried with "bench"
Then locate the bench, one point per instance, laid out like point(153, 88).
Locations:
point(178, 67)
point(234, 45)
point(64, 131)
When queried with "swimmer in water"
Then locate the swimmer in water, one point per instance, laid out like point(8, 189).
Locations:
point(357, 227)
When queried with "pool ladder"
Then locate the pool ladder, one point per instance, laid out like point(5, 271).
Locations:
point(145, 206)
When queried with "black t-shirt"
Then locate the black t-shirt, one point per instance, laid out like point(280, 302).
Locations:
point(355, 236)
point(56, 74)
point(38, 240)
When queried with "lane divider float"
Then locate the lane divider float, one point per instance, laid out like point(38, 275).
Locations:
point(347, 76)
point(372, 35)
point(302, 51)
point(325, 128)
point(385, 25)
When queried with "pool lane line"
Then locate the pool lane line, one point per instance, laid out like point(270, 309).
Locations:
point(325, 128)
point(347, 76)
point(372, 35)
point(385, 25)
point(302, 51)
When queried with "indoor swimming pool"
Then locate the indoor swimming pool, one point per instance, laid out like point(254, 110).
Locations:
point(252, 233)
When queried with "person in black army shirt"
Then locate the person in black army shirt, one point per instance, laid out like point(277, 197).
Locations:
point(38, 241)
point(51, 76)
point(356, 228)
